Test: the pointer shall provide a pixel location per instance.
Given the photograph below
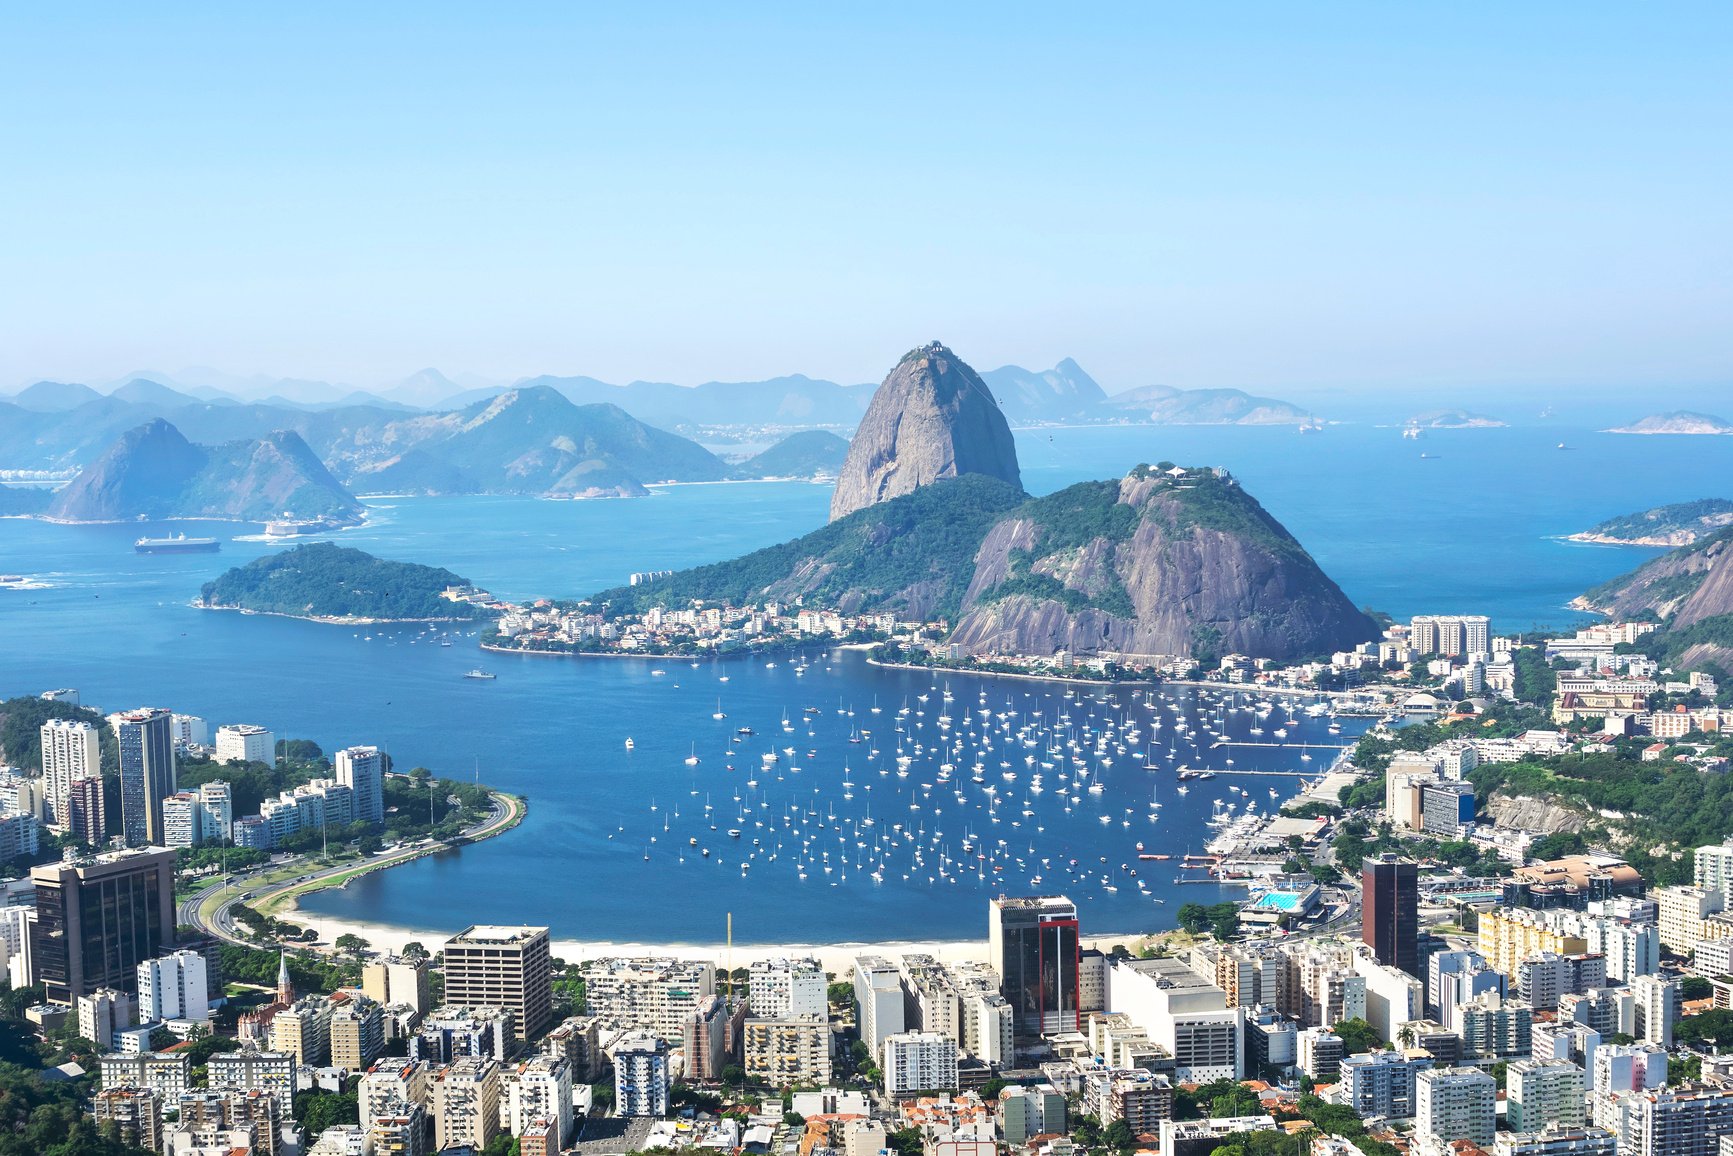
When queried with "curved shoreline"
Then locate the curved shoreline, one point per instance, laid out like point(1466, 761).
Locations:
point(327, 619)
point(282, 901)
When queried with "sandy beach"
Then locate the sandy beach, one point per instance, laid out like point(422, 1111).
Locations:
point(837, 958)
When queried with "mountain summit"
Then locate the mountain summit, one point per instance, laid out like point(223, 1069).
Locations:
point(932, 417)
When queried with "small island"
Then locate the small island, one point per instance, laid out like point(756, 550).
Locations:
point(1678, 422)
point(328, 583)
point(1679, 524)
point(1454, 419)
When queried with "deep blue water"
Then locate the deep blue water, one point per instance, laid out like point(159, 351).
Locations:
point(1470, 529)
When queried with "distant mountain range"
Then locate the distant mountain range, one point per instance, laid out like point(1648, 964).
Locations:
point(60, 424)
point(530, 441)
point(153, 471)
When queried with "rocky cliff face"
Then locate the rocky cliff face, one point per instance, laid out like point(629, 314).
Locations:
point(153, 471)
point(932, 418)
point(1158, 563)
point(1684, 586)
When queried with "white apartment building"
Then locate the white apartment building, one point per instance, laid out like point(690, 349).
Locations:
point(166, 1075)
point(173, 988)
point(245, 743)
point(71, 750)
point(389, 1088)
point(656, 995)
point(878, 997)
point(1183, 1013)
point(182, 820)
point(253, 1070)
point(362, 770)
point(1714, 867)
point(919, 1062)
point(539, 1086)
point(102, 1012)
point(1393, 997)
point(1657, 1007)
point(1628, 1068)
point(216, 811)
point(787, 989)
point(189, 730)
point(1456, 1104)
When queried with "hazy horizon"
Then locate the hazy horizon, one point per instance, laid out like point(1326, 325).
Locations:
point(1355, 202)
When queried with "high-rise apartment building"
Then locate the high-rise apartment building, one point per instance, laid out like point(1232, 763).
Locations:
point(216, 811)
point(787, 988)
point(641, 1079)
point(1456, 1104)
point(789, 1052)
point(1684, 916)
point(1382, 1083)
point(389, 1087)
point(71, 750)
point(1452, 635)
point(173, 987)
point(398, 980)
point(357, 1031)
point(1542, 1092)
point(98, 919)
point(919, 1062)
point(147, 771)
point(1033, 945)
point(1657, 1007)
point(102, 1012)
point(465, 1104)
point(362, 770)
point(252, 1070)
point(539, 1088)
point(183, 822)
point(507, 967)
point(1389, 911)
point(878, 998)
point(87, 813)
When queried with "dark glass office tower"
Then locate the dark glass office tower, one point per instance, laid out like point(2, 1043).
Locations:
point(1034, 945)
point(1389, 911)
point(98, 919)
point(147, 771)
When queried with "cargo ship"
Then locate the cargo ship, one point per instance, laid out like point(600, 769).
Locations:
point(179, 544)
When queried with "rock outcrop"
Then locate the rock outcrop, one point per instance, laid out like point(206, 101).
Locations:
point(153, 471)
point(1682, 586)
point(1160, 563)
point(1173, 563)
point(933, 417)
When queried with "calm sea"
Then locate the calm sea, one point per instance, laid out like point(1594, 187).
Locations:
point(1471, 527)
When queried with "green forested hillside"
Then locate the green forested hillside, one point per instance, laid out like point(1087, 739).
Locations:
point(321, 580)
point(872, 558)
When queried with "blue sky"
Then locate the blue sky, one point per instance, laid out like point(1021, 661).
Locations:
point(1317, 198)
